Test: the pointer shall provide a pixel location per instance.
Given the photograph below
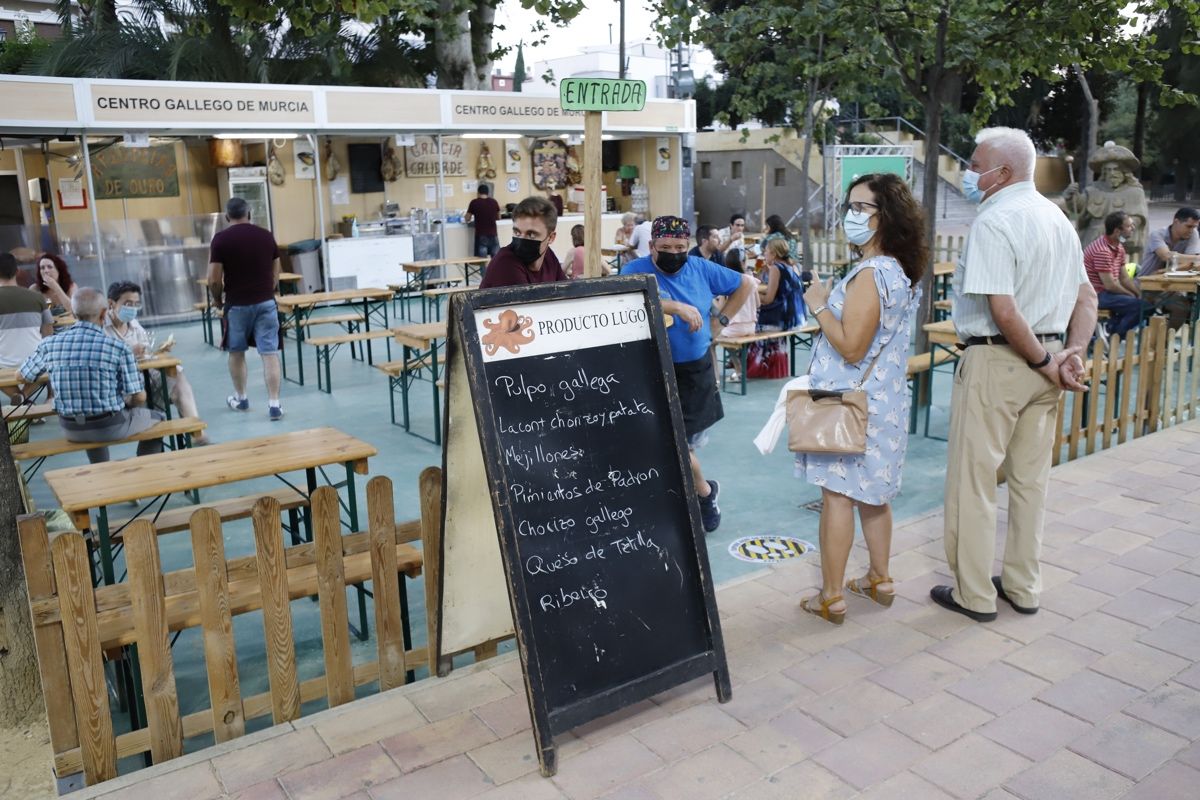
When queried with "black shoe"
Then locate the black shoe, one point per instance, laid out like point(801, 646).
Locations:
point(1000, 593)
point(710, 512)
point(944, 597)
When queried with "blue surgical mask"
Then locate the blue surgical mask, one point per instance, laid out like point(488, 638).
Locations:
point(970, 185)
point(127, 314)
point(858, 227)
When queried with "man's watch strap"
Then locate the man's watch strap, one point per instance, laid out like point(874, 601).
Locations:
point(1042, 363)
point(721, 318)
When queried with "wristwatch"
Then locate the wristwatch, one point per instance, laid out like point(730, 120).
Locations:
point(818, 310)
point(724, 320)
point(1042, 363)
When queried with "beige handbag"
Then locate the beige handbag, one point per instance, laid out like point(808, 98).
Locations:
point(824, 421)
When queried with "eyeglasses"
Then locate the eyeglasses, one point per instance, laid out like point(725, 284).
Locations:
point(857, 206)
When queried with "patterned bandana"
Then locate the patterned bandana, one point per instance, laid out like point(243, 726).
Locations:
point(670, 228)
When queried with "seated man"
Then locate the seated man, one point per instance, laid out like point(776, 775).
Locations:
point(124, 303)
point(1104, 260)
point(1178, 242)
point(708, 245)
point(98, 391)
point(24, 317)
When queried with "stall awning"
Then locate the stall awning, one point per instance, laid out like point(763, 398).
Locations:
point(66, 105)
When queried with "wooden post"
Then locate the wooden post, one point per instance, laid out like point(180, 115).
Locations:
point(593, 191)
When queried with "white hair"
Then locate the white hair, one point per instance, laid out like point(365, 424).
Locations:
point(627, 218)
point(88, 303)
point(1013, 148)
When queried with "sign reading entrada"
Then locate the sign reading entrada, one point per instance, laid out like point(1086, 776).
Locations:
point(602, 94)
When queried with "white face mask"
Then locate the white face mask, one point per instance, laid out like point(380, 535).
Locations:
point(858, 227)
point(970, 184)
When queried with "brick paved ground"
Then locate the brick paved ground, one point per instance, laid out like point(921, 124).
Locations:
point(1098, 696)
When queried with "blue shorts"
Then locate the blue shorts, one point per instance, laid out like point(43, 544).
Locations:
point(257, 324)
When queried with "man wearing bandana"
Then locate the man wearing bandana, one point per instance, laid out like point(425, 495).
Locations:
point(687, 286)
point(528, 258)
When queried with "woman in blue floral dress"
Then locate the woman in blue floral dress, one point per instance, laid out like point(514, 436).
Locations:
point(865, 327)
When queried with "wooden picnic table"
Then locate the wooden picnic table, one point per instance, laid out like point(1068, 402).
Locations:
point(1181, 282)
point(941, 333)
point(471, 265)
point(82, 490)
point(301, 306)
point(421, 361)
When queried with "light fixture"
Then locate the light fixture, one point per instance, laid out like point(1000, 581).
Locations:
point(604, 137)
point(257, 135)
point(481, 136)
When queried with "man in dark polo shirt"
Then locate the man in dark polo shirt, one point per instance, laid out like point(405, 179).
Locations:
point(484, 211)
point(243, 270)
point(528, 259)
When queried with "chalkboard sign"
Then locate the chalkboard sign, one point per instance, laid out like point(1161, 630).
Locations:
point(586, 464)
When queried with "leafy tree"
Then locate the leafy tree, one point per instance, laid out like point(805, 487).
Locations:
point(784, 62)
point(932, 49)
point(1173, 126)
point(26, 48)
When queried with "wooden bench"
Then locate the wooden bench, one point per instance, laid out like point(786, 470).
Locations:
point(918, 364)
point(741, 344)
point(180, 430)
point(174, 520)
point(328, 345)
point(207, 315)
point(401, 374)
point(29, 411)
point(433, 298)
point(352, 318)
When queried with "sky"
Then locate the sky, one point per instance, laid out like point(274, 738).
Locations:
point(591, 27)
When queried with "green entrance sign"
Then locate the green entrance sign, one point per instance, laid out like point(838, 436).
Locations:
point(602, 94)
point(854, 167)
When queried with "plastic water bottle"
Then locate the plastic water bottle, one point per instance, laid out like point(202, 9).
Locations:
point(354, 228)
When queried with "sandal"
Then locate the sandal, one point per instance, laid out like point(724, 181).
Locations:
point(871, 590)
point(836, 617)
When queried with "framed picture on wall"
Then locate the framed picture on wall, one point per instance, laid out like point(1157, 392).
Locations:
point(513, 156)
point(71, 194)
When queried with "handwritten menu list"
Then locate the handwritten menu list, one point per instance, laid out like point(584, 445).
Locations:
point(593, 480)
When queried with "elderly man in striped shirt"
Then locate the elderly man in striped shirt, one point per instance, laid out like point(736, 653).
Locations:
point(1019, 290)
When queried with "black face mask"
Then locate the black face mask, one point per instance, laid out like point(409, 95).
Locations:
point(527, 251)
point(670, 263)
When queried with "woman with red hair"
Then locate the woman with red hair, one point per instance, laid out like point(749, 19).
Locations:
point(54, 281)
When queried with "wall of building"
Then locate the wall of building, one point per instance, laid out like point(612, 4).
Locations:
point(731, 182)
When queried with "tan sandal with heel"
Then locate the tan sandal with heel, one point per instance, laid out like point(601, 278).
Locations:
point(823, 611)
point(871, 591)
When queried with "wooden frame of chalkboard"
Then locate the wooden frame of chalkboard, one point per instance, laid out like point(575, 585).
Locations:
point(589, 478)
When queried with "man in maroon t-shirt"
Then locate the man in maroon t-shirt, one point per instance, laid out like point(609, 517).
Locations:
point(243, 271)
point(528, 259)
point(484, 211)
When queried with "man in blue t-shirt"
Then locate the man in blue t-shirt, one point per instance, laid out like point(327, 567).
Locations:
point(687, 286)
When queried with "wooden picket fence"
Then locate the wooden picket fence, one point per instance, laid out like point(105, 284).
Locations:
point(78, 628)
point(1145, 382)
point(830, 255)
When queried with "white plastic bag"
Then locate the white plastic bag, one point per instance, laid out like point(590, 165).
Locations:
point(769, 435)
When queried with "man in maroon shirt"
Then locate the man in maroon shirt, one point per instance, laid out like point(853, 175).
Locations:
point(243, 270)
point(528, 259)
point(484, 211)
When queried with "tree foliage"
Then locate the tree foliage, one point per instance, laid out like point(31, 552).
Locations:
point(933, 49)
point(366, 42)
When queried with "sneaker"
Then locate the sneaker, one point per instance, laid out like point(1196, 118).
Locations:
point(238, 405)
point(275, 413)
point(710, 512)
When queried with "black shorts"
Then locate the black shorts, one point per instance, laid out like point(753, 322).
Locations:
point(699, 397)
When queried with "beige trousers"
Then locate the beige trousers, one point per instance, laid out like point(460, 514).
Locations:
point(1002, 413)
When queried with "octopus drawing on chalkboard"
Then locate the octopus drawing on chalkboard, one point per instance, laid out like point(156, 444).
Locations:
point(510, 332)
point(549, 164)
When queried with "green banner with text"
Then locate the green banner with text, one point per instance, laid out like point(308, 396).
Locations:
point(602, 94)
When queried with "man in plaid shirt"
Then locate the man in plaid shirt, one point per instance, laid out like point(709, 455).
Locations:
point(98, 391)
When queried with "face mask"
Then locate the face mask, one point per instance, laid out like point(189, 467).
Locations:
point(858, 228)
point(527, 251)
point(670, 263)
point(127, 314)
point(970, 185)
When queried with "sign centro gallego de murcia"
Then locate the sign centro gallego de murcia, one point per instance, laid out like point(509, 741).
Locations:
point(602, 94)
